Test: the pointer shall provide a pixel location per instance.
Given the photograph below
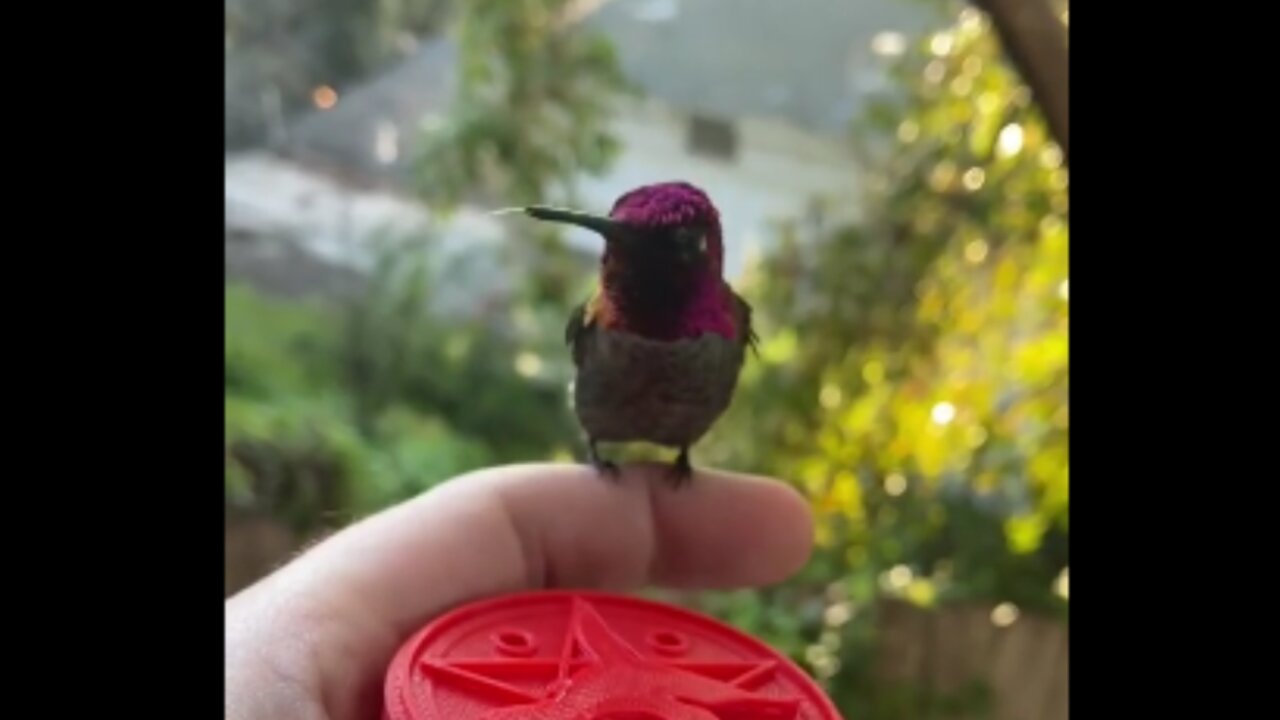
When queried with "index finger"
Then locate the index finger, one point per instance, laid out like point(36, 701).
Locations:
point(534, 526)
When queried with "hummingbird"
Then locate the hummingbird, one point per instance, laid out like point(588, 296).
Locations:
point(659, 346)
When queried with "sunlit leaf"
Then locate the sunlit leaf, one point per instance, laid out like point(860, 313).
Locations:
point(1024, 533)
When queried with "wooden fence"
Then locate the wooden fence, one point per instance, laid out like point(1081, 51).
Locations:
point(254, 547)
point(1024, 664)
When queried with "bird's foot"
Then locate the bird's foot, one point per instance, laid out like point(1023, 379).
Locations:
point(604, 468)
point(680, 473)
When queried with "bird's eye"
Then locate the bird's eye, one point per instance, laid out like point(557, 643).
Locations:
point(692, 239)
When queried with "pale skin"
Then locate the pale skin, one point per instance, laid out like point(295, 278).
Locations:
point(312, 640)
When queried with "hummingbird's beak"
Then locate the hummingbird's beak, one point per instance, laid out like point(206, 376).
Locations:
point(610, 229)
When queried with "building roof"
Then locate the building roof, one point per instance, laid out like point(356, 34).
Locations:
point(364, 134)
point(804, 62)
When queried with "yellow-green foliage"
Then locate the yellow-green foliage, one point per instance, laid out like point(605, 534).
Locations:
point(913, 378)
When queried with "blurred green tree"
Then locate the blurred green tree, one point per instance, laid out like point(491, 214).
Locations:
point(334, 410)
point(914, 374)
point(327, 420)
point(296, 450)
point(532, 107)
point(531, 115)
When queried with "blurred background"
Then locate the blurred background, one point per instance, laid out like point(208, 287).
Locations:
point(895, 206)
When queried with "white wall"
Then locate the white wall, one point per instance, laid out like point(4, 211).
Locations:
point(265, 193)
point(271, 197)
point(776, 172)
point(774, 176)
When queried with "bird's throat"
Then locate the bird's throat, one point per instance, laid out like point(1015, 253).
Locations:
point(659, 303)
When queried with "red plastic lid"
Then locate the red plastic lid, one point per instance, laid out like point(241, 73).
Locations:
point(592, 656)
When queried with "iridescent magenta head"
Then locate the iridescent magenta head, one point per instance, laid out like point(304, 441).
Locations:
point(661, 271)
point(671, 224)
point(674, 211)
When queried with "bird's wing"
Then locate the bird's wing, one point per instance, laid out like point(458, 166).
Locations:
point(742, 319)
point(581, 324)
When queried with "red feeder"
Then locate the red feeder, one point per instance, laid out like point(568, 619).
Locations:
point(592, 656)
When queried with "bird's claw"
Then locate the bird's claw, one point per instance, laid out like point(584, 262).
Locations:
point(606, 468)
point(680, 473)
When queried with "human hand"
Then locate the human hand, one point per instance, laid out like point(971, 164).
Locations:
point(312, 640)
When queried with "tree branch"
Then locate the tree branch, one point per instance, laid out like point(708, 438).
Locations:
point(1036, 42)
